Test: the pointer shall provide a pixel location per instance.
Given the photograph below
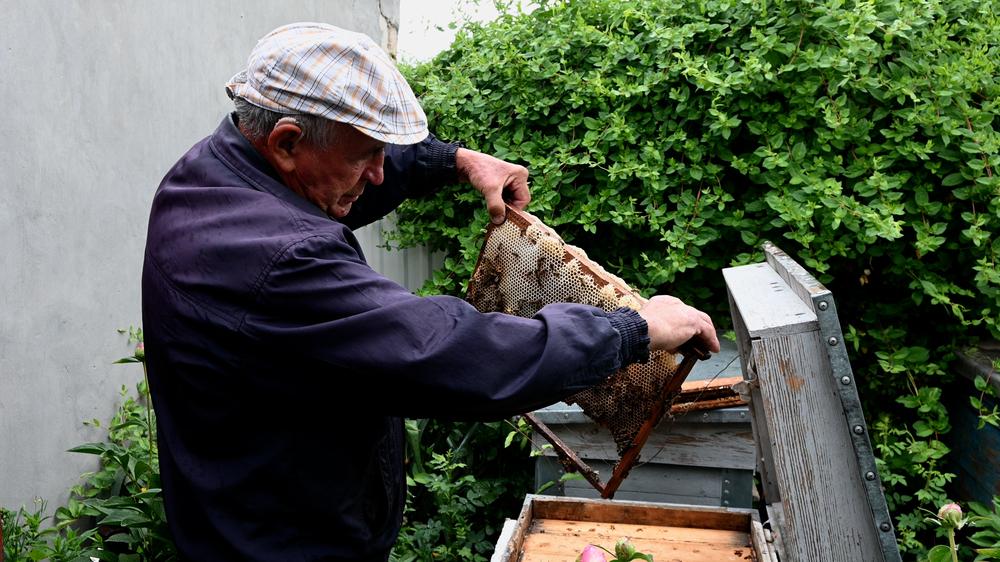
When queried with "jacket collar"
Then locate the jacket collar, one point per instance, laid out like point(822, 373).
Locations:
point(235, 151)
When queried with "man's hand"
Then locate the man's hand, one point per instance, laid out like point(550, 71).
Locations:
point(671, 323)
point(497, 180)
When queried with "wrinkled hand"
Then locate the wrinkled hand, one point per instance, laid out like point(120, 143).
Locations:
point(672, 323)
point(497, 180)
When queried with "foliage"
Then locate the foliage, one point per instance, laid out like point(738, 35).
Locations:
point(986, 542)
point(988, 538)
point(124, 497)
point(458, 481)
point(27, 536)
point(669, 139)
point(120, 505)
point(985, 404)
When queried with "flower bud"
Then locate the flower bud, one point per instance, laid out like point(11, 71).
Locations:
point(950, 515)
point(591, 553)
point(624, 550)
point(140, 351)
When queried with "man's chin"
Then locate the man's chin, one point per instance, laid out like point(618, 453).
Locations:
point(339, 210)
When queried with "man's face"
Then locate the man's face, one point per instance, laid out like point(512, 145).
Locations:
point(334, 177)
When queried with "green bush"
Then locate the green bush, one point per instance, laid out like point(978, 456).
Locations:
point(669, 139)
point(119, 507)
point(459, 480)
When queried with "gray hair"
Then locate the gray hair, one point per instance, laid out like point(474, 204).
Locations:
point(257, 123)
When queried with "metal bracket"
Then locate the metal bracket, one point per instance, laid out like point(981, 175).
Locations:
point(829, 326)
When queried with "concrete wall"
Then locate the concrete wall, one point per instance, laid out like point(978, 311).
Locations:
point(99, 99)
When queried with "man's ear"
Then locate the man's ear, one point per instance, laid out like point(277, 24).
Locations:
point(284, 143)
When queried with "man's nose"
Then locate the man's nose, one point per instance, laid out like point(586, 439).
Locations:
point(373, 172)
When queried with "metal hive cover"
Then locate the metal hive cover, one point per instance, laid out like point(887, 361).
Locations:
point(523, 266)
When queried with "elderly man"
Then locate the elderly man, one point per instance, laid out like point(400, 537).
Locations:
point(280, 363)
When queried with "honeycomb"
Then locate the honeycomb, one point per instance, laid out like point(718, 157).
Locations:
point(523, 266)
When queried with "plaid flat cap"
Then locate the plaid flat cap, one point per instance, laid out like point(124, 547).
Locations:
point(318, 69)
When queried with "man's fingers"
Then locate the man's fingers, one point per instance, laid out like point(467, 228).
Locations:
point(495, 205)
point(517, 191)
point(710, 339)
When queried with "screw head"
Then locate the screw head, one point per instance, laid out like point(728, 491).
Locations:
point(885, 527)
point(845, 380)
point(725, 502)
point(869, 475)
point(858, 430)
point(833, 340)
point(823, 305)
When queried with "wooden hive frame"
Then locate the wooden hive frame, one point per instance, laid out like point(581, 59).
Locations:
point(539, 281)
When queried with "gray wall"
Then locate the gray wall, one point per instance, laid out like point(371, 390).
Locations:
point(99, 99)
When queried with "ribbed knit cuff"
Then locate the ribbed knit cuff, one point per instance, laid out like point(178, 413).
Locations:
point(439, 160)
point(634, 333)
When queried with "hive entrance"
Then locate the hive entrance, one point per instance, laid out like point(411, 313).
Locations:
point(523, 266)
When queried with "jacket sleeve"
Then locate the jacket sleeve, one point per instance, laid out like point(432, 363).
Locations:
point(410, 171)
point(425, 356)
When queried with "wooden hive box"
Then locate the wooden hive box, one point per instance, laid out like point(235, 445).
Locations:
point(553, 529)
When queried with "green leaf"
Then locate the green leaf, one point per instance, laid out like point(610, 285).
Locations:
point(939, 553)
point(952, 180)
point(980, 383)
point(90, 448)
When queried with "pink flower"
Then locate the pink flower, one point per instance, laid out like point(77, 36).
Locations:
point(950, 515)
point(591, 553)
point(140, 351)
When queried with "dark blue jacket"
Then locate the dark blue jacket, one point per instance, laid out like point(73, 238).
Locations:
point(281, 364)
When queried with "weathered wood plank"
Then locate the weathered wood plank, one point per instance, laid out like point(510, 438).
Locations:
point(505, 538)
point(631, 494)
point(760, 296)
point(800, 281)
point(510, 551)
point(759, 543)
point(656, 483)
point(640, 513)
point(609, 533)
point(687, 444)
point(666, 480)
point(822, 495)
point(553, 541)
point(763, 457)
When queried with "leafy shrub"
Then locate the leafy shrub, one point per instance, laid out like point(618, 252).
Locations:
point(459, 480)
point(28, 536)
point(669, 139)
point(987, 538)
point(119, 507)
point(123, 498)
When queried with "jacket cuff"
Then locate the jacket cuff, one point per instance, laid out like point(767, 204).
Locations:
point(437, 159)
point(634, 335)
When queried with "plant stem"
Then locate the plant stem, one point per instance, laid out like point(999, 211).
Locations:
point(149, 416)
point(951, 543)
